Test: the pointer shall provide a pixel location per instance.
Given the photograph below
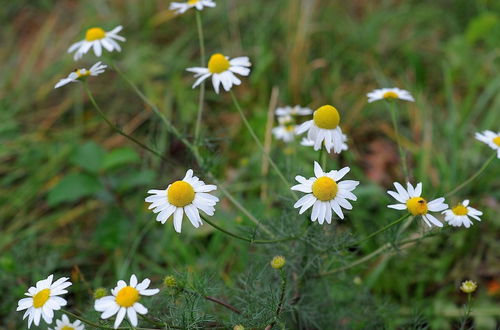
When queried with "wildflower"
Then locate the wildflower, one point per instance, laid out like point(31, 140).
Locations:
point(324, 128)
point(325, 192)
point(65, 324)
point(81, 74)
point(389, 93)
point(100, 292)
point(125, 300)
point(43, 300)
point(459, 215)
point(310, 143)
point(97, 38)
point(222, 70)
point(293, 111)
point(491, 138)
point(285, 130)
point(170, 281)
point(417, 205)
point(468, 286)
point(238, 327)
point(184, 196)
point(182, 7)
point(278, 262)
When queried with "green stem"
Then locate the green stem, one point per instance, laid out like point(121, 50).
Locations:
point(468, 308)
point(401, 219)
point(475, 175)
point(259, 144)
point(402, 154)
point(282, 299)
point(322, 157)
point(202, 86)
point(134, 247)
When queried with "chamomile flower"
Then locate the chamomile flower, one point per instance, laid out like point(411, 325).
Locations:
point(310, 143)
point(185, 196)
point(80, 74)
point(293, 111)
point(389, 93)
point(468, 286)
point(182, 7)
point(459, 215)
point(97, 39)
point(285, 130)
point(65, 324)
point(491, 138)
point(411, 200)
point(43, 299)
point(324, 129)
point(222, 69)
point(324, 193)
point(125, 300)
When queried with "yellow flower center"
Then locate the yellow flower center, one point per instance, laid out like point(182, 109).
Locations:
point(460, 210)
point(417, 205)
point(127, 296)
point(496, 140)
point(218, 63)
point(95, 33)
point(325, 189)
point(82, 73)
point(290, 128)
point(326, 117)
point(390, 95)
point(180, 194)
point(41, 298)
point(67, 327)
point(192, 2)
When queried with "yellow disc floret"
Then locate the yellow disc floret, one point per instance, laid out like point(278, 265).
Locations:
point(82, 73)
point(127, 296)
point(41, 298)
point(180, 194)
point(496, 140)
point(325, 189)
point(460, 210)
point(192, 2)
point(278, 262)
point(326, 117)
point(417, 205)
point(390, 95)
point(67, 327)
point(218, 63)
point(95, 33)
point(468, 286)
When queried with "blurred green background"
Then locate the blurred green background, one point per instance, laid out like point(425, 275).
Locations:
point(72, 191)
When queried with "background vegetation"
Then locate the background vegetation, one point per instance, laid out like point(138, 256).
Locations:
point(72, 191)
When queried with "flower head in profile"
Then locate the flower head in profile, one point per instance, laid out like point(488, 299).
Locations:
point(296, 110)
point(182, 7)
point(324, 129)
point(285, 130)
point(185, 196)
point(388, 94)
point(222, 69)
point(310, 143)
point(491, 138)
point(43, 299)
point(125, 301)
point(65, 324)
point(278, 262)
point(412, 201)
point(97, 39)
point(468, 286)
point(80, 74)
point(459, 215)
point(324, 193)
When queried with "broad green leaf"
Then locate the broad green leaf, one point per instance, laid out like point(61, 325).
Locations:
point(73, 187)
point(89, 156)
point(120, 157)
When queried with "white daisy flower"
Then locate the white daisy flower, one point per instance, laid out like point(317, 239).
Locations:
point(310, 143)
point(43, 300)
point(389, 93)
point(325, 192)
point(285, 130)
point(293, 111)
point(97, 38)
point(65, 324)
point(222, 70)
point(459, 215)
point(184, 196)
point(125, 300)
point(491, 138)
point(80, 74)
point(415, 204)
point(182, 7)
point(324, 128)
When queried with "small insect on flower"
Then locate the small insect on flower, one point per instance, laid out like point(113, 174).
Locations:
point(293, 111)
point(468, 286)
point(125, 300)
point(324, 128)
point(182, 7)
point(310, 143)
point(222, 69)
point(43, 300)
point(285, 130)
point(417, 205)
point(278, 262)
point(491, 138)
point(81, 74)
point(184, 196)
point(459, 215)
point(97, 39)
point(325, 192)
point(389, 93)
point(65, 324)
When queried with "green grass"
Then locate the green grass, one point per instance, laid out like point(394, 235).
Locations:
point(72, 191)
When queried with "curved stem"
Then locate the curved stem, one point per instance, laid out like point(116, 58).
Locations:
point(259, 144)
point(202, 87)
point(475, 175)
point(402, 154)
point(401, 219)
point(222, 303)
point(281, 301)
